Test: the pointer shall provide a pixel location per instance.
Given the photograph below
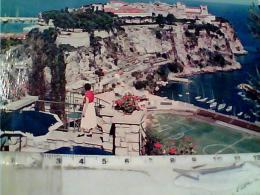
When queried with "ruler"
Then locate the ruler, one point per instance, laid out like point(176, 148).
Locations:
point(65, 160)
point(58, 174)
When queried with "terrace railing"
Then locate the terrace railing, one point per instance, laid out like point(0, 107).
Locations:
point(73, 109)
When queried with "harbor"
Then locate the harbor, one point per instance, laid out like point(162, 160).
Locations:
point(19, 19)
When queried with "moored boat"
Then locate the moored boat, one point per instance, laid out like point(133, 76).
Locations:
point(213, 105)
point(240, 114)
point(221, 106)
point(246, 116)
point(229, 108)
point(203, 100)
point(210, 101)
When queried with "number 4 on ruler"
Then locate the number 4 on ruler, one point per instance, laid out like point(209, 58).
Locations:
point(82, 161)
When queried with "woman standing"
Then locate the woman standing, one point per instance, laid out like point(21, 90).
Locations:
point(89, 118)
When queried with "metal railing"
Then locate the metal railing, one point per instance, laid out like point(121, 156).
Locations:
point(72, 109)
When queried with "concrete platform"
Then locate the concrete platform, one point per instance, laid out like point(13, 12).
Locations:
point(24, 102)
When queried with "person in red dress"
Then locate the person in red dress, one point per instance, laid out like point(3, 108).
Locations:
point(89, 118)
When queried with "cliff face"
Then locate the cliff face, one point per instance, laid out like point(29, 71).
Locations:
point(197, 47)
point(188, 47)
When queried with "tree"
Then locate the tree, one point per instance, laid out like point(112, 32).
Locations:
point(170, 19)
point(160, 19)
point(254, 20)
point(45, 53)
point(89, 20)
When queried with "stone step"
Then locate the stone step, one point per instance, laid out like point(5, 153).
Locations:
point(96, 140)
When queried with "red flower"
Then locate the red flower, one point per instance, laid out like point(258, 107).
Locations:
point(136, 98)
point(172, 151)
point(125, 97)
point(157, 145)
point(119, 102)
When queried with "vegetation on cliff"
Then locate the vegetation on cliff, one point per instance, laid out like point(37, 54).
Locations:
point(207, 27)
point(170, 19)
point(89, 20)
point(6, 44)
point(45, 53)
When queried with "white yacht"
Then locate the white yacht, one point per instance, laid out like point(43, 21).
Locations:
point(221, 106)
point(198, 97)
point(240, 114)
point(213, 105)
point(229, 108)
point(256, 114)
point(210, 101)
point(203, 100)
point(246, 116)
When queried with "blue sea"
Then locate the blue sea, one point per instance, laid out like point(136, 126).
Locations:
point(221, 86)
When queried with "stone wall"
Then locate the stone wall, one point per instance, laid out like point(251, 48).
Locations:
point(123, 135)
point(127, 140)
point(108, 140)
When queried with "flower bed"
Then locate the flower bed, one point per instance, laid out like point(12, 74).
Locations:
point(128, 103)
point(157, 146)
point(180, 147)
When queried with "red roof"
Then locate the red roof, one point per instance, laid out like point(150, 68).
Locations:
point(193, 10)
point(124, 9)
point(120, 2)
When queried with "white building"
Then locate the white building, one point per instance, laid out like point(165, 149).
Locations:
point(97, 7)
point(122, 9)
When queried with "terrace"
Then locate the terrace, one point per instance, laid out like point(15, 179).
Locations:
point(122, 134)
point(106, 137)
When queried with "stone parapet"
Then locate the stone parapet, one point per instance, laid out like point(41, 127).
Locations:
point(127, 139)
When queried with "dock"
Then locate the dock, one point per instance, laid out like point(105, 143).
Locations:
point(181, 80)
point(18, 19)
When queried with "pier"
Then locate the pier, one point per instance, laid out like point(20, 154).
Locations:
point(19, 19)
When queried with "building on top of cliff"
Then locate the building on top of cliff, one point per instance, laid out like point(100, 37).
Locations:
point(122, 9)
point(118, 3)
point(197, 11)
point(97, 7)
point(200, 13)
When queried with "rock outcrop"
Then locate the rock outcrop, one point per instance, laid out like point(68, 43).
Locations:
point(195, 47)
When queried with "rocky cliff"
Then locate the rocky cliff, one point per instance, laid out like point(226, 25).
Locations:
point(189, 47)
point(196, 47)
